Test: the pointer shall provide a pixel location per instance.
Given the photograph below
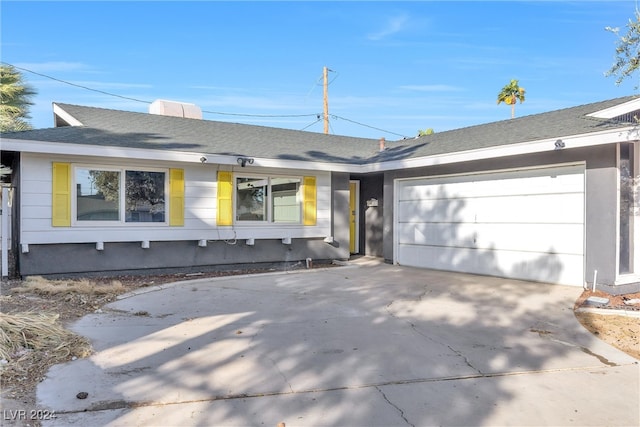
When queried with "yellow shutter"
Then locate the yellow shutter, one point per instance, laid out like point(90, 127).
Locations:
point(225, 198)
point(61, 195)
point(176, 197)
point(309, 203)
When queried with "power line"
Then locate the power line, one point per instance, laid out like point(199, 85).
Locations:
point(77, 85)
point(260, 115)
point(311, 124)
point(367, 126)
point(320, 116)
point(149, 102)
point(318, 82)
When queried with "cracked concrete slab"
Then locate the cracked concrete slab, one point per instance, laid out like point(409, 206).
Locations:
point(558, 398)
point(323, 408)
point(355, 345)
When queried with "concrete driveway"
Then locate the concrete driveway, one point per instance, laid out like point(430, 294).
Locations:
point(361, 345)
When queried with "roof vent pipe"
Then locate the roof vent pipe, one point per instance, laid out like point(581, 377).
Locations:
point(382, 147)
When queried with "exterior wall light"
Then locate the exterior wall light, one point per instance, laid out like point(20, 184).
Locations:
point(242, 161)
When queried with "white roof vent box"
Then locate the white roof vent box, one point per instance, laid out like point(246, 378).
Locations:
point(176, 109)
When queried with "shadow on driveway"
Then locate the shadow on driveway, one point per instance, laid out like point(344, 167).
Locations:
point(355, 345)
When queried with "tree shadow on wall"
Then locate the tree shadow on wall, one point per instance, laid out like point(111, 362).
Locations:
point(442, 234)
point(400, 152)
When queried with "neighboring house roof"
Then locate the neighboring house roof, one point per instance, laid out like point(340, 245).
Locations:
point(113, 128)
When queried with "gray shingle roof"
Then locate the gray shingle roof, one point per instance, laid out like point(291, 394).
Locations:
point(105, 127)
point(550, 125)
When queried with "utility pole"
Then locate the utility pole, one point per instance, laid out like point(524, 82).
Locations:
point(325, 74)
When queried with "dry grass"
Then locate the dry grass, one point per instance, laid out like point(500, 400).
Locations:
point(42, 286)
point(22, 333)
point(26, 336)
point(32, 342)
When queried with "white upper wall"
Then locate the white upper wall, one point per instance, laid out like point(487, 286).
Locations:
point(200, 206)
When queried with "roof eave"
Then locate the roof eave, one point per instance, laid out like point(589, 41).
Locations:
point(617, 110)
point(629, 133)
point(58, 111)
point(56, 148)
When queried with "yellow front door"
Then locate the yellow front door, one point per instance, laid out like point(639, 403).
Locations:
point(353, 206)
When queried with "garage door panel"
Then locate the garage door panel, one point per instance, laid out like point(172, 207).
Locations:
point(509, 184)
point(520, 237)
point(507, 223)
point(542, 208)
point(552, 268)
point(434, 210)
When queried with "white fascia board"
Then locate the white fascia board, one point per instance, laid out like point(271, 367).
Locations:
point(630, 133)
point(58, 111)
point(108, 151)
point(618, 110)
point(303, 164)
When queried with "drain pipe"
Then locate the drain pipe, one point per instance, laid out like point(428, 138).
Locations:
point(595, 277)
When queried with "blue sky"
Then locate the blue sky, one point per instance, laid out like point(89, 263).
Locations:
point(397, 67)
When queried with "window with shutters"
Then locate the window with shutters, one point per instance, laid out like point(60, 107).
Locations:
point(105, 196)
point(268, 199)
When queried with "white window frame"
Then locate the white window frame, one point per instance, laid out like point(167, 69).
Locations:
point(268, 221)
point(121, 222)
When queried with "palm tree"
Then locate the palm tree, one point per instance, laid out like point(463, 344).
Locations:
point(510, 94)
point(15, 99)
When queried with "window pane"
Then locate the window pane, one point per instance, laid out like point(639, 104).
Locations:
point(250, 199)
point(144, 200)
point(285, 199)
point(97, 195)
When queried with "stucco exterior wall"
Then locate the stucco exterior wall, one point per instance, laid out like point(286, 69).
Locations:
point(600, 194)
point(601, 218)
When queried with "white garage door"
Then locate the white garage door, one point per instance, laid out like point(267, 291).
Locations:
point(522, 224)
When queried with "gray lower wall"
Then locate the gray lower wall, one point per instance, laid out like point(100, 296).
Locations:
point(84, 258)
point(60, 259)
point(600, 193)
